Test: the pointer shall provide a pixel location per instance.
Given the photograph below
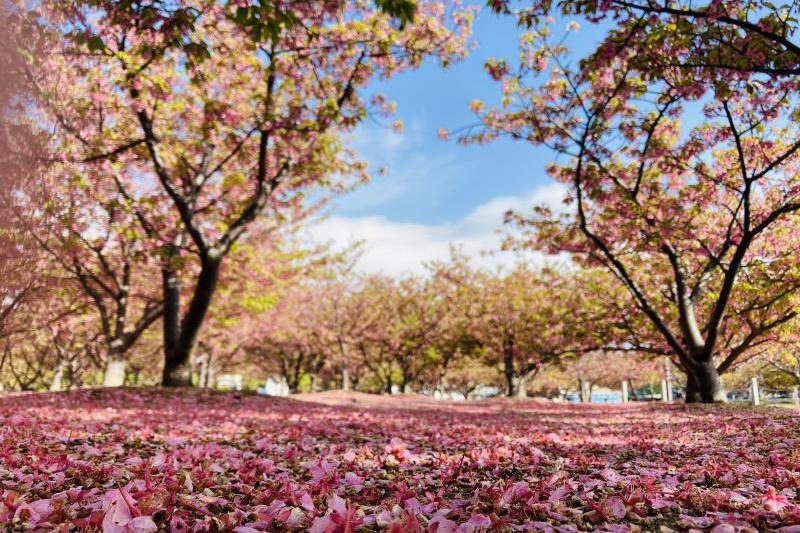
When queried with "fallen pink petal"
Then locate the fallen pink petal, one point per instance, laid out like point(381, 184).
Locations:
point(576, 466)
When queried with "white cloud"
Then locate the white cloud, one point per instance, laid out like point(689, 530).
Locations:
point(399, 248)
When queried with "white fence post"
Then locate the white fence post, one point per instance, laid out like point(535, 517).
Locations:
point(754, 396)
point(664, 397)
point(668, 377)
point(624, 392)
point(796, 396)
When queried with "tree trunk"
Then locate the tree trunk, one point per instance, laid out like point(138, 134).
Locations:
point(177, 363)
point(524, 380)
point(345, 378)
point(114, 374)
point(292, 382)
point(58, 377)
point(134, 373)
point(586, 391)
point(632, 391)
point(522, 386)
point(703, 383)
point(692, 390)
point(211, 374)
point(345, 366)
point(508, 363)
point(202, 380)
point(171, 289)
point(441, 382)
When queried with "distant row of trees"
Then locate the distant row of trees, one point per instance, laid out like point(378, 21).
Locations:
point(453, 329)
point(308, 319)
point(458, 328)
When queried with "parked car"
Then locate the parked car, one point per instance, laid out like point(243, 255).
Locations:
point(736, 396)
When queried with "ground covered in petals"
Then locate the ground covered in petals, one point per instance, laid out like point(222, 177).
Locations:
point(148, 460)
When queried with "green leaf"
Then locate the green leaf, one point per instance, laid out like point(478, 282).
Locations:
point(96, 44)
point(402, 10)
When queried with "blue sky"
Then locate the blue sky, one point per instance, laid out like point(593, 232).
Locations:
point(436, 193)
point(434, 181)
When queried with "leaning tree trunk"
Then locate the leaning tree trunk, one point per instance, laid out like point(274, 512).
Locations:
point(703, 383)
point(180, 336)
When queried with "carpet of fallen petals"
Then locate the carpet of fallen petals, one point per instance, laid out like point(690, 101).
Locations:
point(139, 461)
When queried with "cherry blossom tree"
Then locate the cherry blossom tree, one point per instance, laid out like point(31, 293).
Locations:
point(611, 370)
point(55, 346)
point(92, 238)
point(533, 318)
point(584, 372)
point(457, 288)
point(681, 185)
point(346, 315)
point(714, 39)
point(20, 283)
point(398, 334)
point(288, 340)
point(373, 350)
point(209, 116)
point(82, 229)
point(780, 362)
point(469, 374)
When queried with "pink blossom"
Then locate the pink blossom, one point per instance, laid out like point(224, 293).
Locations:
point(773, 501)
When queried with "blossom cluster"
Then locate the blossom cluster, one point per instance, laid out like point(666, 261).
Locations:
point(138, 461)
